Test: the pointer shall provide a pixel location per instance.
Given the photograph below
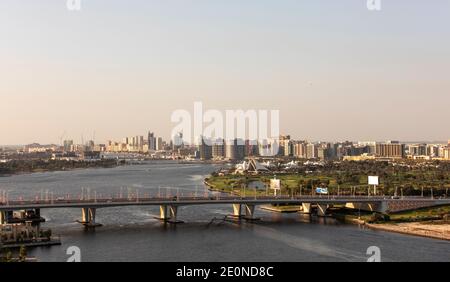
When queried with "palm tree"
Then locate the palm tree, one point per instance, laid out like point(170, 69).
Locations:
point(9, 256)
point(22, 253)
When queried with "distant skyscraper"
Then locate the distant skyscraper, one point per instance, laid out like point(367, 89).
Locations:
point(205, 149)
point(300, 149)
point(288, 148)
point(140, 143)
point(151, 141)
point(433, 150)
point(218, 149)
point(251, 148)
point(68, 145)
point(326, 152)
point(159, 144)
point(235, 149)
point(177, 141)
point(90, 145)
point(322, 153)
point(284, 145)
point(417, 149)
point(446, 153)
point(311, 151)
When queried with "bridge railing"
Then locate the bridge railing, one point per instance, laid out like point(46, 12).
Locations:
point(158, 198)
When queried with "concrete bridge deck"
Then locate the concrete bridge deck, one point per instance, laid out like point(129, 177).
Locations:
point(186, 201)
point(169, 205)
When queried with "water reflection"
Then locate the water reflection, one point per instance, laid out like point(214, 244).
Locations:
point(133, 234)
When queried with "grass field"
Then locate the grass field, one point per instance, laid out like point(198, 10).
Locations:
point(306, 183)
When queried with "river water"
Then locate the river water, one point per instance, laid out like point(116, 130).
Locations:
point(133, 234)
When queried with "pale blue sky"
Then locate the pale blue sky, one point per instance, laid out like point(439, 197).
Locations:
point(334, 69)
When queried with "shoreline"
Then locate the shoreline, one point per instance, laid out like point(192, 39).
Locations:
point(44, 170)
point(412, 229)
point(54, 241)
point(434, 229)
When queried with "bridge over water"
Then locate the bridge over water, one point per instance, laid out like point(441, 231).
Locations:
point(242, 207)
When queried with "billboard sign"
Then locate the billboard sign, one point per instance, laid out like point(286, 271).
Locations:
point(373, 180)
point(275, 184)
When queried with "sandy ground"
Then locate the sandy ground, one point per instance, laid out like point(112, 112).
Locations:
point(436, 229)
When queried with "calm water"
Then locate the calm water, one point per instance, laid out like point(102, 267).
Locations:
point(132, 234)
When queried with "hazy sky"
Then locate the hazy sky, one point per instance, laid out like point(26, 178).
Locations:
point(334, 69)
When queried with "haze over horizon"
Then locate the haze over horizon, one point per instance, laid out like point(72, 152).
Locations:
point(334, 69)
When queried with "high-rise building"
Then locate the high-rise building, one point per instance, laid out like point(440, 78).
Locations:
point(417, 149)
point(288, 148)
point(235, 149)
point(205, 149)
point(251, 148)
point(322, 153)
point(177, 141)
point(300, 149)
point(446, 153)
point(390, 150)
point(311, 151)
point(68, 145)
point(284, 144)
point(432, 150)
point(90, 146)
point(151, 141)
point(268, 147)
point(140, 144)
point(370, 145)
point(327, 151)
point(218, 149)
point(159, 144)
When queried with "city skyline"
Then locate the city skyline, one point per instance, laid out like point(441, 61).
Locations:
point(335, 71)
point(86, 140)
point(154, 147)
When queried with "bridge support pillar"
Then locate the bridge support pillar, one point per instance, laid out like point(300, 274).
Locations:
point(306, 207)
point(173, 210)
point(237, 210)
point(163, 213)
point(88, 217)
point(168, 213)
point(92, 215)
point(84, 215)
point(383, 207)
point(322, 210)
point(249, 212)
point(2, 217)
